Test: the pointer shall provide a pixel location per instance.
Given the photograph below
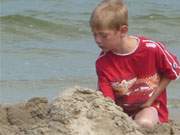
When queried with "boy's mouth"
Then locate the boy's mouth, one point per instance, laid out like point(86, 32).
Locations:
point(103, 48)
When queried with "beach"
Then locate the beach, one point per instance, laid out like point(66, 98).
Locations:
point(78, 111)
point(46, 48)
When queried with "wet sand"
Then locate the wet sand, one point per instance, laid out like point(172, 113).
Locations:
point(78, 111)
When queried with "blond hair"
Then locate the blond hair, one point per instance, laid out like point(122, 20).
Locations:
point(109, 14)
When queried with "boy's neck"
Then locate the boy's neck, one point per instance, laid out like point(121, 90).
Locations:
point(128, 44)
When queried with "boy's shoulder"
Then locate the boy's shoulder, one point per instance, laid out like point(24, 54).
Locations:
point(147, 41)
point(104, 59)
point(150, 44)
point(101, 55)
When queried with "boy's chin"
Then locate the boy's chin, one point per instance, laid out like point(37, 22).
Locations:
point(105, 50)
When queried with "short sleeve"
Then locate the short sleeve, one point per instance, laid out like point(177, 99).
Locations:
point(104, 85)
point(167, 63)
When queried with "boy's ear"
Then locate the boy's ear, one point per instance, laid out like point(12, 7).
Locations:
point(124, 30)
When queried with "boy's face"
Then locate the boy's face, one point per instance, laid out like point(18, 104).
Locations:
point(107, 40)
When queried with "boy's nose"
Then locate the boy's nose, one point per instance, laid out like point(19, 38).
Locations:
point(98, 40)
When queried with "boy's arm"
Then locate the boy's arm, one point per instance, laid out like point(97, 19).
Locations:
point(162, 86)
point(167, 63)
point(104, 85)
point(168, 66)
point(105, 88)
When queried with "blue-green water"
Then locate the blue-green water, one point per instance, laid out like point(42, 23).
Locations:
point(46, 45)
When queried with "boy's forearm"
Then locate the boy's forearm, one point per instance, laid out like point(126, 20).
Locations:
point(162, 85)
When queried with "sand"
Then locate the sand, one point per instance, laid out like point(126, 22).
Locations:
point(80, 111)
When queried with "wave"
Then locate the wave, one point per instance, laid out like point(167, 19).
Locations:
point(157, 17)
point(27, 25)
point(56, 52)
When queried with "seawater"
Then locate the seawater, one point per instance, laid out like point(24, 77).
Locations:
point(47, 46)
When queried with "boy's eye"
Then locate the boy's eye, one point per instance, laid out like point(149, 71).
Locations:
point(94, 34)
point(101, 34)
point(104, 35)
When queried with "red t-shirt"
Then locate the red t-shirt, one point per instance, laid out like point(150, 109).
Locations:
point(145, 64)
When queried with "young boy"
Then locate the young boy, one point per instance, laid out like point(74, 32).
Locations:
point(131, 68)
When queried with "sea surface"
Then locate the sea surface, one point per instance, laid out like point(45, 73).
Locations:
point(46, 46)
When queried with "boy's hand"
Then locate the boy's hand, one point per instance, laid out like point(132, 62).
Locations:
point(119, 90)
point(148, 103)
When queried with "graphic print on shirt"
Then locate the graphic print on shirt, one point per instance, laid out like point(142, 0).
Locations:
point(122, 87)
point(125, 85)
point(136, 91)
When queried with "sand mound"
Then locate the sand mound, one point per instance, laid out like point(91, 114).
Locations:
point(82, 112)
